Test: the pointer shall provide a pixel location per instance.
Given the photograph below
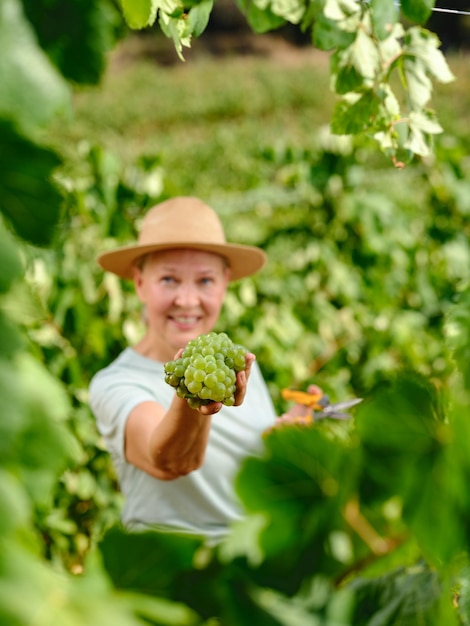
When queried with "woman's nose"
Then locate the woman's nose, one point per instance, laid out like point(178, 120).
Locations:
point(187, 295)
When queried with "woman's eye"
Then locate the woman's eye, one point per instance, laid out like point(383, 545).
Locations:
point(206, 280)
point(167, 279)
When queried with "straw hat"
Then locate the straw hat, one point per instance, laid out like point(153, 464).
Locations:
point(183, 222)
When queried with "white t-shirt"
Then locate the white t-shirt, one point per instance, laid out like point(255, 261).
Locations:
point(204, 501)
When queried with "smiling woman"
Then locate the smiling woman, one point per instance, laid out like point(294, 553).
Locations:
point(183, 292)
point(176, 464)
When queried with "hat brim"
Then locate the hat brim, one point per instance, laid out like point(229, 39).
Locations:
point(243, 260)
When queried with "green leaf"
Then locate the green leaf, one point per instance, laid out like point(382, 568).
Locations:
point(176, 28)
point(353, 117)
point(31, 587)
point(28, 199)
point(10, 263)
point(291, 11)
point(139, 13)
point(399, 424)
point(425, 121)
point(301, 482)
point(422, 45)
point(147, 561)
point(365, 56)
point(32, 91)
point(384, 14)
point(418, 82)
point(347, 79)
point(418, 11)
point(457, 329)
point(198, 17)
point(328, 34)
point(13, 418)
point(404, 425)
point(160, 611)
point(260, 20)
point(417, 141)
point(10, 337)
point(45, 445)
point(416, 132)
point(76, 35)
point(14, 504)
point(404, 596)
point(343, 10)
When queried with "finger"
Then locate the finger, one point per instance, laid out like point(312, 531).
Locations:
point(240, 391)
point(211, 408)
point(298, 410)
point(315, 390)
point(242, 379)
point(249, 360)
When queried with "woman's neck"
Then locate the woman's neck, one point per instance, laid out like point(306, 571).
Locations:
point(152, 350)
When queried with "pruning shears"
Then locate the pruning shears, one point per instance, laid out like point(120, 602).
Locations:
point(320, 403)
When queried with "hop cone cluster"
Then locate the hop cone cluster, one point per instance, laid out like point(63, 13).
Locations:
point(207, 369)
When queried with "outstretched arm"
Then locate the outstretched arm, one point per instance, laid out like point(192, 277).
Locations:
point(171, 443)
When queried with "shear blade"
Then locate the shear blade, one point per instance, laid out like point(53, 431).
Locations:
point(332, 414)
point(336, 410)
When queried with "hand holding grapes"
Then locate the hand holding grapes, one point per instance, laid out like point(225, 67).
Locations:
point(241, 385)
point(211, 371)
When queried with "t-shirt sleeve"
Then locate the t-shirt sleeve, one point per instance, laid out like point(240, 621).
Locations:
point(112, 400)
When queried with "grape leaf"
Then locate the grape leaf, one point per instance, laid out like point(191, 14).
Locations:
point(176, 28)
point(198, 17)
point(147, 561)
point(139, 13)
point(365, 56)
point(457, 330)
point(45, 446)
point(300, 483)
point(417, 11)
point(384, 14)
point(28, 199)
point(354, 117)
point(421, 126)
point(418, 82)
point(32, 91)
point(327, 34)
point(260, 20)
point(346, 12)
point(404, 424)
point(14, 504)
point(76, 35)
point(347, 80)
point(423, 45)
point(405, 596)
point(290, 10)
point(10, 262)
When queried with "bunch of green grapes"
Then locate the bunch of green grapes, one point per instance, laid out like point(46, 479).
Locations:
point(207, 370)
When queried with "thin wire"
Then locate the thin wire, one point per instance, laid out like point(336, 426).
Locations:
point(443, 10)
point(454, 11)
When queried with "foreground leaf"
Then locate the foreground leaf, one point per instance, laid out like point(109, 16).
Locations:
point(32, 91)
point(76, 35)
point(28, 198)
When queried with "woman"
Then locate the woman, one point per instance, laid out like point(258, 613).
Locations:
point(175, 464)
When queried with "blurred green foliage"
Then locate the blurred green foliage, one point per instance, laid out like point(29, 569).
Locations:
point(365, 293)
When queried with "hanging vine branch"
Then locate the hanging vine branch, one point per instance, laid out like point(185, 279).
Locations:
point(370, 51)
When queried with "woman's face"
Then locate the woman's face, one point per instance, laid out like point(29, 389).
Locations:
point(183, 292)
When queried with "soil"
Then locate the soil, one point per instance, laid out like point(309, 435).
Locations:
point(278, 47)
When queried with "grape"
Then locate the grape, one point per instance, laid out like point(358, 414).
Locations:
point(207, 369)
